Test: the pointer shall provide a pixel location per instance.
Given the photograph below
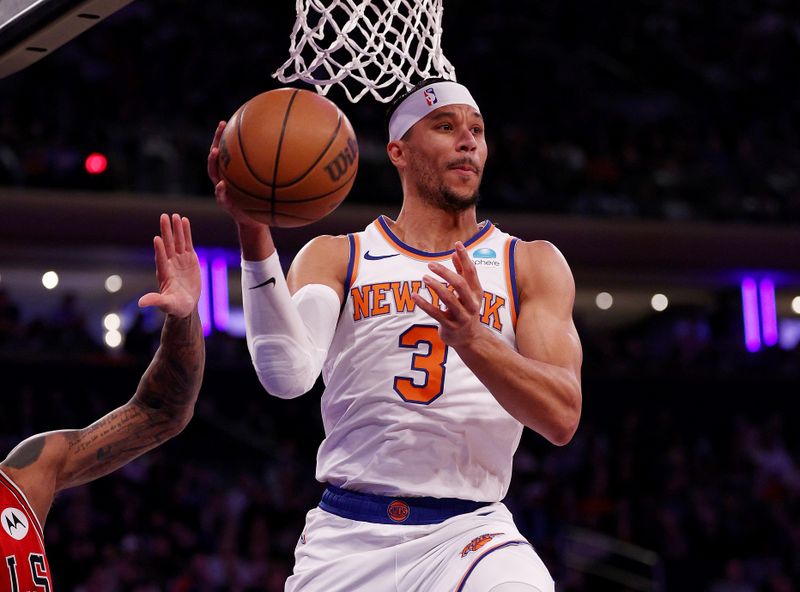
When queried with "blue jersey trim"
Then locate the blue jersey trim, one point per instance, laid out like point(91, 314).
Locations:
point(512, 270)
point(487, 226)
point(350, 264)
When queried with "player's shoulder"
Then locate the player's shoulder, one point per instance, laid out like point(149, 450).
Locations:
point(539, 252)
point(541, 265)
point(34, 466)
point(324, 260)
point(327, 247)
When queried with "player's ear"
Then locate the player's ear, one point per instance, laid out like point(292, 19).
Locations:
point(396, 151)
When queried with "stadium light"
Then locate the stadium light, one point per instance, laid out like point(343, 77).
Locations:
point(769, 315)
point(204, 304)
point(659, 302)
point(96, 163)
point(113, 283)
point(112, 322)
point(113, 339)
point(219, 292)
point(604, 300)
point(50, 279)
point(760, 313)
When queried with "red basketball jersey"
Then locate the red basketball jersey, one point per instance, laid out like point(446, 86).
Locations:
point(24, 567)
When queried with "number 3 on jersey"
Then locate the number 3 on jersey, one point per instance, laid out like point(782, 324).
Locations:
point(432, 364)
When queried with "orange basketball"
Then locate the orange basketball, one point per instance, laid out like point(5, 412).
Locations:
point(288, 157)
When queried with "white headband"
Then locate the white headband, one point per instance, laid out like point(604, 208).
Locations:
point(424, 100)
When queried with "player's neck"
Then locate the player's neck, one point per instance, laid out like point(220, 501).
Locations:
point(434, 230)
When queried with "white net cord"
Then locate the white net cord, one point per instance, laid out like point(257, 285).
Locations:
point(380, 47)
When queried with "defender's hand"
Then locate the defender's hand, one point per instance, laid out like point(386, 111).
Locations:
point(459, 321)
point(177, 269)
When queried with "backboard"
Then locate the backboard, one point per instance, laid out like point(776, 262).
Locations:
point(32, 29)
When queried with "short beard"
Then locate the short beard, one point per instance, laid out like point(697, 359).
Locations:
point(450, 202)
point(440, 196)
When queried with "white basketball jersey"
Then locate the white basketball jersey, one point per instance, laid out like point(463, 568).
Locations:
point(403, 415)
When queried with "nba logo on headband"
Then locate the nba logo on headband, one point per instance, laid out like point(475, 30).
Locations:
point(430, 97)
point(436, 94)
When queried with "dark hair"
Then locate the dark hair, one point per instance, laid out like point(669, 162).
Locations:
point(403, 96)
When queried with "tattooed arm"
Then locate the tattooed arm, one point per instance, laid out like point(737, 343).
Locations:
point(164, 401)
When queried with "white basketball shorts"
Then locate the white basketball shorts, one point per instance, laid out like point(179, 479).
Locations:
point(471, 552)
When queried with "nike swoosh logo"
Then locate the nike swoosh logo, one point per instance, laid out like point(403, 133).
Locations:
point(269, 281)
point(369, 257)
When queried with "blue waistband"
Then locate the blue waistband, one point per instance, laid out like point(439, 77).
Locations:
point(381, 509)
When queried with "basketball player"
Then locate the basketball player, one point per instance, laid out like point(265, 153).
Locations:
point(44, 464)
point(439, 338)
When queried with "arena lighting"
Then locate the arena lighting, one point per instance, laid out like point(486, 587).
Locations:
point(760, 313)
point(219, 293)
point(752, 328)
point(113, 283)
point(112, 322)
point(50, 279)
point(659, 302)
point(604, 300)
point(113, 339)
point(204, 306)
point(769, 316)
point(96, 163)
point(796, 305)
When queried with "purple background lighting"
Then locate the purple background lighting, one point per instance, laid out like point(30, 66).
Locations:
point(204, 306)
point(219, 293)
point(752, 332)
point(769, 317)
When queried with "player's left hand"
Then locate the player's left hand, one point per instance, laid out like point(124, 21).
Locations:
point(459, 320)
point(177, 269)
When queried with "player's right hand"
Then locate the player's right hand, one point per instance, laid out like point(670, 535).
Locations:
point(220, 193)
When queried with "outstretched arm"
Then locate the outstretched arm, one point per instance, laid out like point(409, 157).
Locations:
point(164, 401)
point(539, 384)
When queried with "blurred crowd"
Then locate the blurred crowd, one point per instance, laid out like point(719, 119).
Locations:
point(693, 465)
point(666, 109)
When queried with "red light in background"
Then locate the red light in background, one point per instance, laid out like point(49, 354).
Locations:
point(96, 163)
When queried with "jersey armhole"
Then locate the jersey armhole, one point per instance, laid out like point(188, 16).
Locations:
point(17, 492)
point(511, 278)
point(352, 266)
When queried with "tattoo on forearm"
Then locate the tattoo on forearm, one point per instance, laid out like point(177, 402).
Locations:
point(173, 378)
point(114, 440)
point(163, 402)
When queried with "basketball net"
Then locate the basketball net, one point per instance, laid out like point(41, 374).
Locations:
point(381, 47)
